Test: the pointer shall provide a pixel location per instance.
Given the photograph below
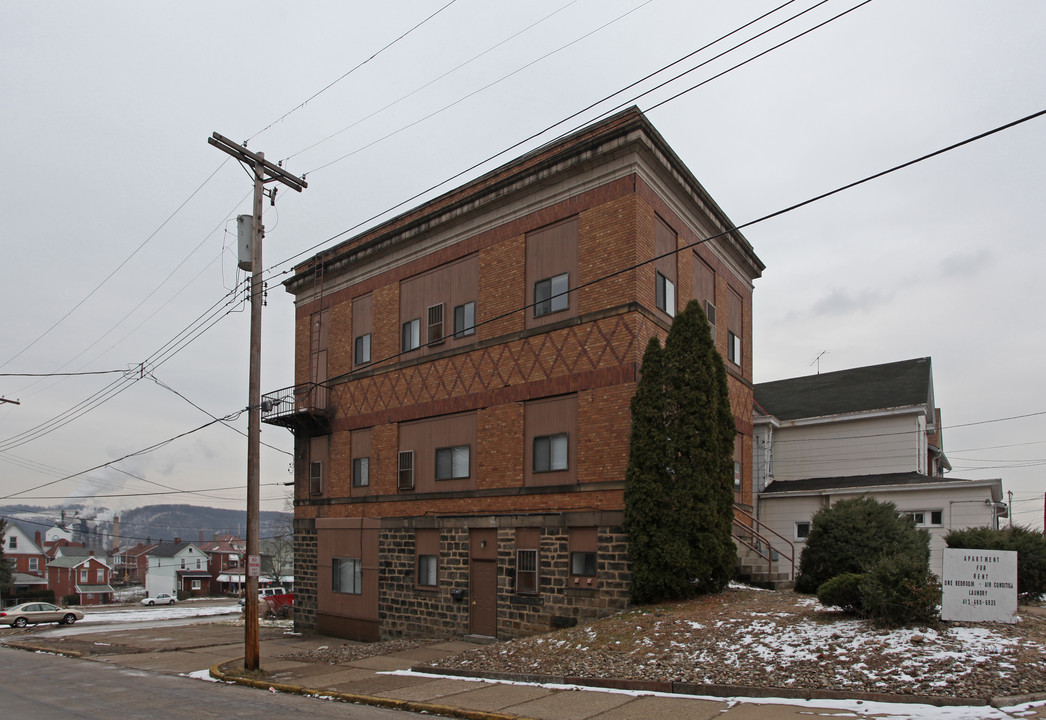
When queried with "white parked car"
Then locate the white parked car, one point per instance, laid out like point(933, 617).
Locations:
point(161, 599)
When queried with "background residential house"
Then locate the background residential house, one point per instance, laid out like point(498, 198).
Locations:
point(178, 568)
point(865, 431)
point(130, 563)
point(225, 563)
point(87, 577)
point(463, 377)
point(27, 557)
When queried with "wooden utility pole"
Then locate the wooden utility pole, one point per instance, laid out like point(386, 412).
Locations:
point(264, 171)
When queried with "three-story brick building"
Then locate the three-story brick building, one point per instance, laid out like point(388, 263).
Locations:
point(463, 378)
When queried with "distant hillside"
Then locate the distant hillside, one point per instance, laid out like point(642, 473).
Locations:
point(152, 522)
point(191, 522)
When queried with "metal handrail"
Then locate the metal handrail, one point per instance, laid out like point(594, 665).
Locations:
point(765, 555)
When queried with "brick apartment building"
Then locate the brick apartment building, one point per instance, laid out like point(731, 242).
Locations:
point(463, 378)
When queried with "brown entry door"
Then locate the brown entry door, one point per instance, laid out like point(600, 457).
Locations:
point(483, 619)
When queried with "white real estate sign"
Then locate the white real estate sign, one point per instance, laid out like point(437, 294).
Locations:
point(979, 585)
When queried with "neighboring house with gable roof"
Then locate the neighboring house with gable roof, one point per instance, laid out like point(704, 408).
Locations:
point(178, 568)
point(872, 431)
point(28, 560)
point(86, 575)
point(225, 553)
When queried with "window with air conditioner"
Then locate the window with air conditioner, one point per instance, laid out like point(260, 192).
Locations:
point(434, 335)
point(406, 470)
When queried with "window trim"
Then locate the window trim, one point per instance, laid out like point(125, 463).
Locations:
point(738, 475)
point(361, 472)
point(548, 455)
point(356, 574)
point(34, 564)
point(800, 525)
point(664, 294)
point(454, 469)
point(555, 301)
point(710, 315)
point(196, 585)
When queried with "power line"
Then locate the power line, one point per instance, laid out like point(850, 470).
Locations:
point(116, 270)
point(143, 451)
point(734, 229)
point(520, 142)
point(432, 82)
point(345, 75)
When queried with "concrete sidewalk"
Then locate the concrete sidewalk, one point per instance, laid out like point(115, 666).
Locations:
point(377, 680)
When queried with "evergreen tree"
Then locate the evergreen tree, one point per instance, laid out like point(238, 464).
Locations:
point(679, 484)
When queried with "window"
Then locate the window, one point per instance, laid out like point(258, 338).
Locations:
point(452, 463)
point(360, 472)
point(802, 529)
point(198, 564)
point(666, 295)
point(183, 563)
point(927, 518)
point(550, 452)
point(406, 470)
point(427, 570)
point(737, 476)
point(315, 478)
point(435, 325)
point(100, 577)
point(34, 564)
point(465, 320)
point(12, 542)
point(583, 543)
point(550, 295)
point(710, 314)
point(411, 337)
point(84, 577)
point(195, 584)
point(526, 571)
point(347, 575)
point(733, 348)
point(583, 564)
point(361, 354)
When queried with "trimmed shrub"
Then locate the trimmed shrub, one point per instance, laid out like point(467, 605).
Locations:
point(899, 589)
point(851, 535)
point(843, 591)
point(71, 599)
point(1029, 544)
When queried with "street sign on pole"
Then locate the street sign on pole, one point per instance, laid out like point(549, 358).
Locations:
point(254, 566)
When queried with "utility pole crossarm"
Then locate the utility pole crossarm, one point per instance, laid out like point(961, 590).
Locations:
point(241, 153)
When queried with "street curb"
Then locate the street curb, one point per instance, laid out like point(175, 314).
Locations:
point(42, 649)
point(391, 703)
point(655, 686)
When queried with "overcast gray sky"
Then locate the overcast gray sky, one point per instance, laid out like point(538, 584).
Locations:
point(117, 229)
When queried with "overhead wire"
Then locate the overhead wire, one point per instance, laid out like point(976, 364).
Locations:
point(544, 131)
point(117, 269)
point(349, 72)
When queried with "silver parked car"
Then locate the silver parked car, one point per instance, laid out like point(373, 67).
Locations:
point(38, 612)
point(161, 599)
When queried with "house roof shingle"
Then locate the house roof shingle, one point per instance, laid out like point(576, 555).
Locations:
point(858, 481)
point(876, 387)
